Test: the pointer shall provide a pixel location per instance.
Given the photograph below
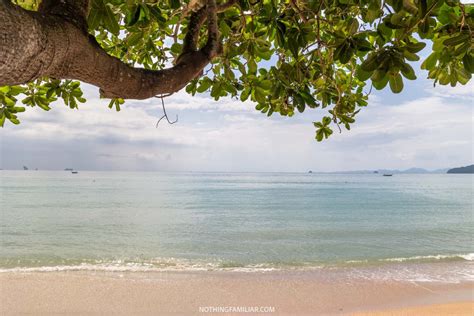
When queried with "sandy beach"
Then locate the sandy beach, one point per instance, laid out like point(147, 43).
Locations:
point(459, 308)
point(275, 292)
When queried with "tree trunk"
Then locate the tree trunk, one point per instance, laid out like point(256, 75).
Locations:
point(47, 44)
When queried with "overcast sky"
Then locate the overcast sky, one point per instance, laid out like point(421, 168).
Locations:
point(421, 127)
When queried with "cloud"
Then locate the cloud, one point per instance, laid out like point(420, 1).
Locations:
point(464, 92)
point(432, 130)
point(185, 101)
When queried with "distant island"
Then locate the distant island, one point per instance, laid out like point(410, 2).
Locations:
point(467, 169)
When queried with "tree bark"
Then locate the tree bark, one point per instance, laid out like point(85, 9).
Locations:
point(53, 43)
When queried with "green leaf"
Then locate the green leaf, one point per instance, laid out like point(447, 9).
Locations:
point(96, 14)
point(408, 71)
point(260, 95)
point(371, 63)
point(379, 75)
point(468, 63)
point(456, 40)
point(409, 6)
point(174, 4)
point(299, 103)
point(396, 83)
point(204, 85)
point(362, 74)
point(430, 62)
point(132, 16)
point(110, 22)
point(410, 56)
point(326, 120)
point(415, 47)
point(252, 66)
point(379, 85)
point(134, 38)
point(245, 94)
point(319, 135)
point(293, 45)
point(265, 84)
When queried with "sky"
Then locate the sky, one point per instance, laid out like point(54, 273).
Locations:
point(421, 127)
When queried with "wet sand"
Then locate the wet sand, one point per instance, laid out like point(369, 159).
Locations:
point(291, 293)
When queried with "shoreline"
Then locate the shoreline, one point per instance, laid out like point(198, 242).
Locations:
point(185, 292)
point(397, 271)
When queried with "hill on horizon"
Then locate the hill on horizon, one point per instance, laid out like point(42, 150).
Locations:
point(466, 169)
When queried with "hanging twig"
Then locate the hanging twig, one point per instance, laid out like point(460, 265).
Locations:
point(165, 115)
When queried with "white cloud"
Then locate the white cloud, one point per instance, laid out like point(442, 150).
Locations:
point(432, 132)
point(184, 101)
point(464, 92)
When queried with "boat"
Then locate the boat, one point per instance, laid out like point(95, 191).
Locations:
point(74, 172)
point(25, 168)
point(310, 171)
point(387, 174)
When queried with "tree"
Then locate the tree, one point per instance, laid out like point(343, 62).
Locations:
point(285, 55)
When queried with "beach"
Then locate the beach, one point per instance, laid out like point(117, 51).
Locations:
point(132, 243)
point(277, 292)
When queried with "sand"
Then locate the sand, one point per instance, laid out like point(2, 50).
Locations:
point(459, 308)
point(190, 293)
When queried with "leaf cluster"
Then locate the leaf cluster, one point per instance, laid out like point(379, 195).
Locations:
point(39, 93)
point(291, 56)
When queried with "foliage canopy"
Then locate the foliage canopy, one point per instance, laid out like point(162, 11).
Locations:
point(286, 56)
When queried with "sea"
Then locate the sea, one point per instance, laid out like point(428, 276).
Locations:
point(375, 226)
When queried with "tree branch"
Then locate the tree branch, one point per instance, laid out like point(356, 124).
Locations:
point(191, 38)
point(75, 11)
point(212, 46)
point(295, 7)
point(51, 44)
point(196, 21)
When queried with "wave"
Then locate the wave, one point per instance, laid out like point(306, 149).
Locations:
point(173, 264)
point(139, 267)
point(155, 265)
point(425, 272)
point(467, 257)
point(428, 258)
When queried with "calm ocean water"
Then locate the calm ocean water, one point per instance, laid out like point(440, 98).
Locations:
point(151, 221)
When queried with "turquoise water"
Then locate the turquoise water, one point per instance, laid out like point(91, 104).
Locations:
point(132, 220)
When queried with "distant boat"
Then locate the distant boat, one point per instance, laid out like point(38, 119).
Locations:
point(74, 172)
point(310, 171)
point(25, 168)
point(68, 169)
point(376, 171)
point(387, 174)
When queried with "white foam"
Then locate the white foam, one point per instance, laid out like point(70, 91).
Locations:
point(99, 267)
point(174, 264)
point(468, 257)
point(170, 264)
